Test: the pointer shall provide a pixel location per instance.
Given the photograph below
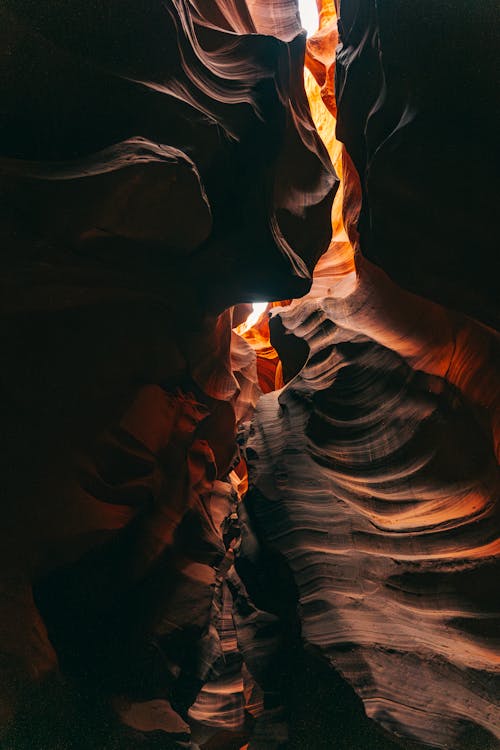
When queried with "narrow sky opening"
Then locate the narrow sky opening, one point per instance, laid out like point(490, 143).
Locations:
point(309, 15)
point(258, 309)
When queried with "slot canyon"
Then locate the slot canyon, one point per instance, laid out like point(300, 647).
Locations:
point(250, 375)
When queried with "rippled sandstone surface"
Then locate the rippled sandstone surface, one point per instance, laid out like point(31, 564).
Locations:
point(186, 562)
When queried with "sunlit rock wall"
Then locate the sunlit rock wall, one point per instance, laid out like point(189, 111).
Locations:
point(160, 164)
point(374, 471)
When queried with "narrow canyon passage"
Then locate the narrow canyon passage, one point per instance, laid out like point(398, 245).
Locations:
point(250, 375)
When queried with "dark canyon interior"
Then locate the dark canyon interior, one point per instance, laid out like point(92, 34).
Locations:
point(223, 532)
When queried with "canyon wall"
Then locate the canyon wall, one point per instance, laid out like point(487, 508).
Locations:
point(187, 562)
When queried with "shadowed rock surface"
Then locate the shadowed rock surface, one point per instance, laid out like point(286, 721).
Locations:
point(186, 562)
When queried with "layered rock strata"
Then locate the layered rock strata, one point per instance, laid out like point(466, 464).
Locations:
point(160, 164)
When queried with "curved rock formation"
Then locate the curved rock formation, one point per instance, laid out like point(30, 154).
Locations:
point(181, 134)
point(393, 543)
point(158, 164)
point(374, 471)
point(162, 165)
point(415, 90)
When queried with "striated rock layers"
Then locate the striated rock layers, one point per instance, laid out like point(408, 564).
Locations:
point(161, 167)
point(374, 471)
point(158, 165)
point(378, 483)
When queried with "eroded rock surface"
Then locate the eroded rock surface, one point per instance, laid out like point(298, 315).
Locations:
point(161, 166)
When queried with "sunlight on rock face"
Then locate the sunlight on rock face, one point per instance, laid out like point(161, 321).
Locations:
point(309, 15)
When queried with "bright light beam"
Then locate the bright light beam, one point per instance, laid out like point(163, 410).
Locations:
point(258, 309)
point(309, 16)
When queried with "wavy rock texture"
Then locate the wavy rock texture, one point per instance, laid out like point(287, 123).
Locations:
point(179, 128)
point(160, 167)
point(378, 483)
point(374, 471)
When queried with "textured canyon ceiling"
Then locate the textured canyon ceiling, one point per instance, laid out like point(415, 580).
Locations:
point(283, 533)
